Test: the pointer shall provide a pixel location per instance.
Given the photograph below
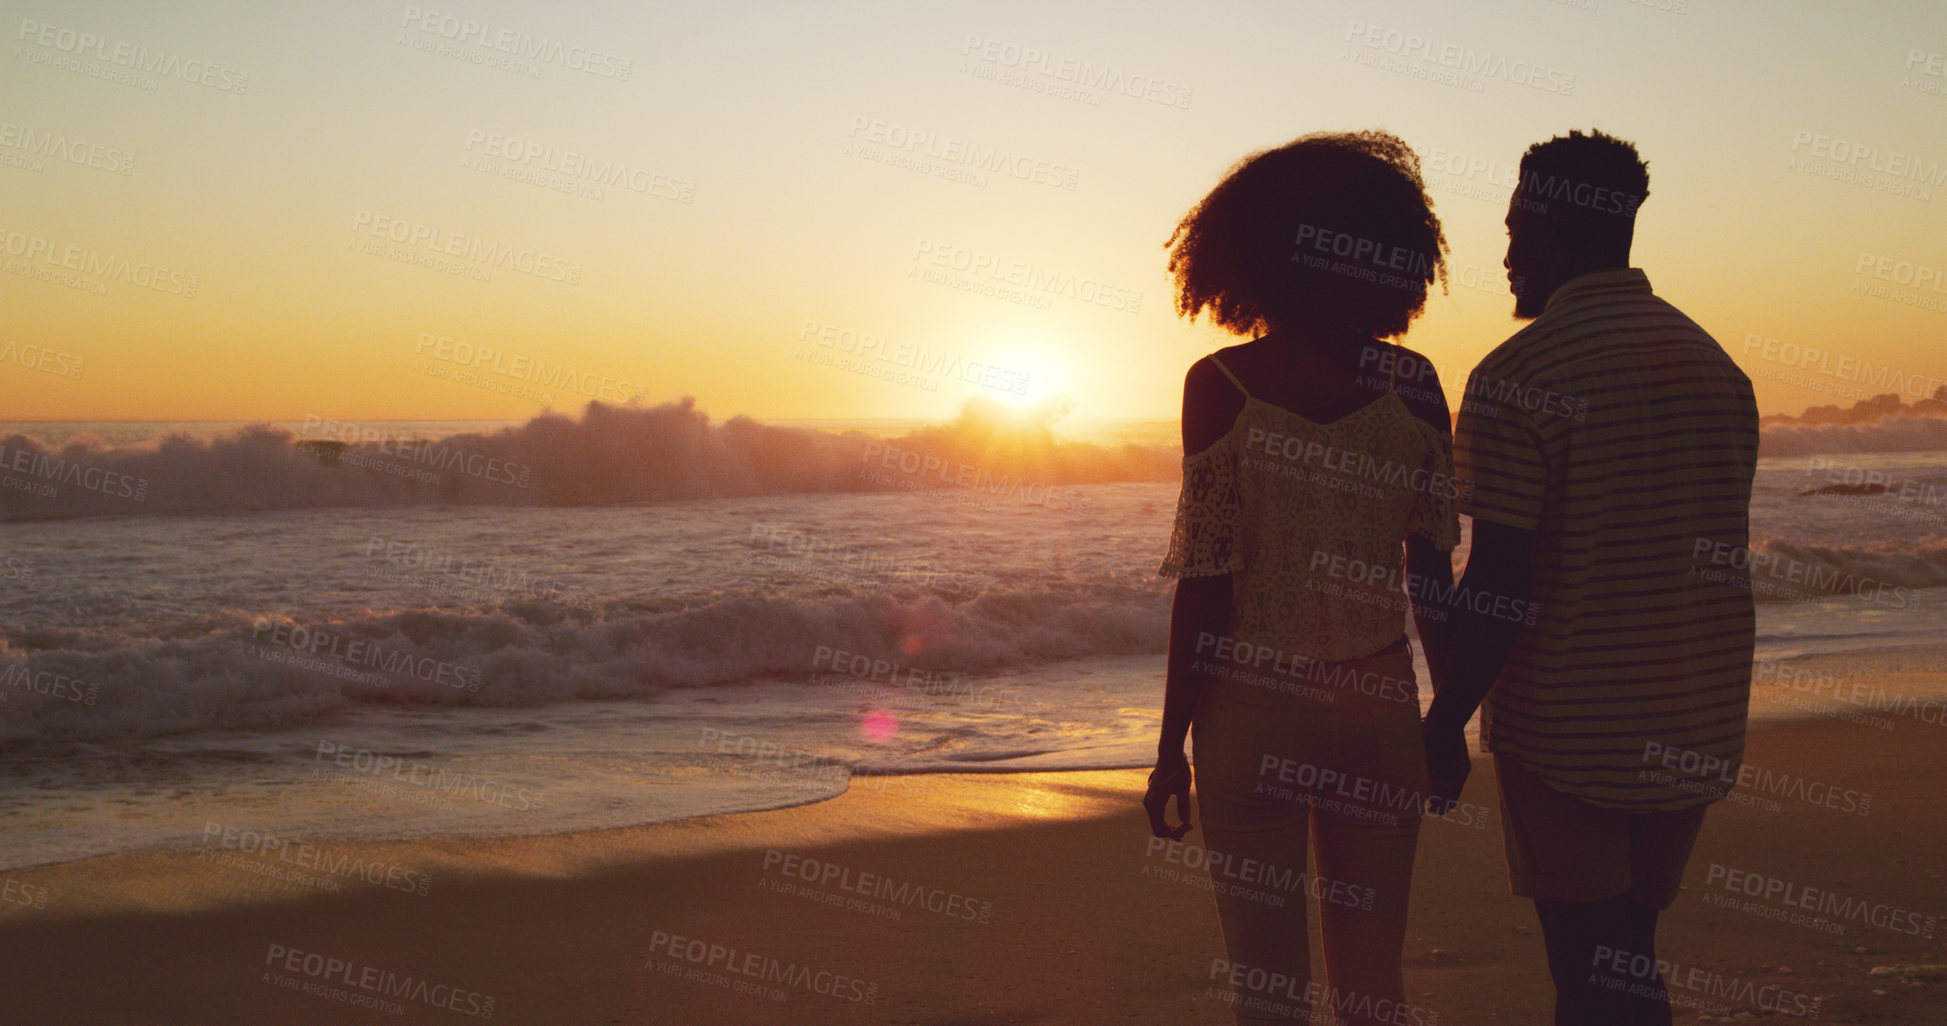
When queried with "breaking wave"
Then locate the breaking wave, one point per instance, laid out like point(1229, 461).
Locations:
point(610, 455)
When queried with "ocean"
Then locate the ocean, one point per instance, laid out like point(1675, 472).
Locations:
point(417, 629)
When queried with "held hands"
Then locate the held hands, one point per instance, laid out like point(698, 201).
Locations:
point(1170, 778)
point(1447, 765)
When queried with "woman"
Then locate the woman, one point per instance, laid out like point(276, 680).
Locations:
point(1312, 455)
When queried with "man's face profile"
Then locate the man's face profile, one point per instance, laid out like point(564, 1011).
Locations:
point(1529, 260)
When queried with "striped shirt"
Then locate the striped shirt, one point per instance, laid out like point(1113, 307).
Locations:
point(1619, 433)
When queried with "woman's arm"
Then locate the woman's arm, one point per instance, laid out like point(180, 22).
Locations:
point(1199, 614)
point(1198, 617)
point(1432, 572)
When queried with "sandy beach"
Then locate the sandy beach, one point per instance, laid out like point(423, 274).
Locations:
point(1008, 898)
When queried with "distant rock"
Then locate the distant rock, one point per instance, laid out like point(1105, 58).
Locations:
point(1865, 411)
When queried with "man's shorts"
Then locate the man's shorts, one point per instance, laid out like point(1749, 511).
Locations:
point(1565, 849)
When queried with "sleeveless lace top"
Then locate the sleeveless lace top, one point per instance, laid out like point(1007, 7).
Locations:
point(1310, 520)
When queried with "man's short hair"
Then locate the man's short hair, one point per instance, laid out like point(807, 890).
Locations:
point(1594, 182)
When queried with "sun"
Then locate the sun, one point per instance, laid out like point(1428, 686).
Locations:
point(1023, 374)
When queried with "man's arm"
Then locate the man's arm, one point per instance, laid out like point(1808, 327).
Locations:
point(1479, 643)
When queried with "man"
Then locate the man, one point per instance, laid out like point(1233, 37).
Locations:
point(1610, 447)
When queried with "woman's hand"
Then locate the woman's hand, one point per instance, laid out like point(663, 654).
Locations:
point(1170, 778)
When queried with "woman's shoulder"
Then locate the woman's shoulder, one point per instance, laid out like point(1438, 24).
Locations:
point(1416, 381)
point(1213, 397)
point(1238, 359)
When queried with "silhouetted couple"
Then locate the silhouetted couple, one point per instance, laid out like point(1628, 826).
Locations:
point(1604, 453)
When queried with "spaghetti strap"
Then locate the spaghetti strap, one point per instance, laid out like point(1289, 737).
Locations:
point(1228, 374)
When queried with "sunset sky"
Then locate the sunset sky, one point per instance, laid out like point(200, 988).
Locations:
point(746, 218)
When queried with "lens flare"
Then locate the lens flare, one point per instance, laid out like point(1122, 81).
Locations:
point(879, 726)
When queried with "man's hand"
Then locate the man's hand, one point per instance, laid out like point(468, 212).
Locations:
point(1170, 778)
point(1447, 765)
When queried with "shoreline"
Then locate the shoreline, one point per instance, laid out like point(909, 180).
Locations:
point(1025, 897)
point(1798, 690)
